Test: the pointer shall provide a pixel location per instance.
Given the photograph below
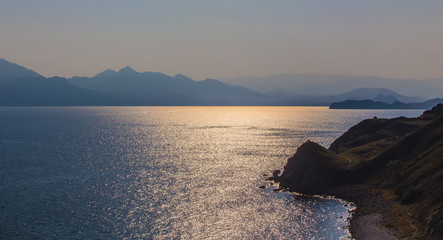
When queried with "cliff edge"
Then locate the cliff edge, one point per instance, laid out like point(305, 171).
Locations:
point(397, 163)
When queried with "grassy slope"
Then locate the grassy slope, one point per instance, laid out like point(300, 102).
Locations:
point(411, 172)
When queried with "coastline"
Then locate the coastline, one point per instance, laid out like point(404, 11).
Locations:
point(391, 169)
point(368, 221)
point(378, 215)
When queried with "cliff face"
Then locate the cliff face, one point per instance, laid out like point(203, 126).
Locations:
point(312, 158)
point(402, 157)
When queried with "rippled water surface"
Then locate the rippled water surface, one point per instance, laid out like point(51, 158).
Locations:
point(163, 172)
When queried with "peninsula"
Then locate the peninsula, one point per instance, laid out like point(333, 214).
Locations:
point(392, 169)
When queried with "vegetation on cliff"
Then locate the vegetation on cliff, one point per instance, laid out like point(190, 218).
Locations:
point(400, 160)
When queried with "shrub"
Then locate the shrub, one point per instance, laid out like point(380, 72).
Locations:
point(399, 190)
point(410, 195)
point(407, 194)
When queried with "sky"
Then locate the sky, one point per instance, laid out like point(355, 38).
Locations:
point(225, 39)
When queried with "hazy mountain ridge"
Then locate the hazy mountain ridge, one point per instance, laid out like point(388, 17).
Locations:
point(369, 104)
point(21, 86)
point(322, 84)
point(374, 94)
point(54, 91)
point(10, 71)
point(383, 94)
point(153, 88)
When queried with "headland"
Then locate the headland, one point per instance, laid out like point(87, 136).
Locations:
point(392, 169)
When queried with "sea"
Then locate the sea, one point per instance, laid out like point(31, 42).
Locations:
point(165, 172)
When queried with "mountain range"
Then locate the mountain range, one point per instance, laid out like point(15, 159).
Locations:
point(10, 71)
point(320, 84)
point(154, 88)
point(368, 104)
point(55, 91)
point(374, 94)
point(20, 86)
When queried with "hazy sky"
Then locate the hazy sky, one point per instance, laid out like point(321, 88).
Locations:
point(229, 38)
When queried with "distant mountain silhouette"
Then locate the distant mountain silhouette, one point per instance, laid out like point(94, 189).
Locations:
point(160, 89)
point(322, 85)
point(10, 71)
point(54, 91)
point(21, 86)
point(385, 98)
point(436, 82)
point(106, 73)
point(375, 94)
point(380, 94)
point(368, 104)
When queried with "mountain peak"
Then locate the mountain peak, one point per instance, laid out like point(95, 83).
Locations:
point(385, 98)
point(127, 70)
point(182, 77)
point(10, 71)
point(106, 73)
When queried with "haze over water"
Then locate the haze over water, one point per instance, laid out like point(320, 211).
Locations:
point(163, 172)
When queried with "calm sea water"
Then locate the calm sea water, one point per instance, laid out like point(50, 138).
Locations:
point(163, 172)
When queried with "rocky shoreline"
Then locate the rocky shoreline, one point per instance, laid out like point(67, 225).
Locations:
point(391, 169)
point(368, 221)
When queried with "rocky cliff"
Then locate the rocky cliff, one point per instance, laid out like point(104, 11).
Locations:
point(399, 160)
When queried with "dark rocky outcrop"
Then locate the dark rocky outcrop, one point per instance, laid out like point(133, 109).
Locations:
point(314, 170)
point(401, 159)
